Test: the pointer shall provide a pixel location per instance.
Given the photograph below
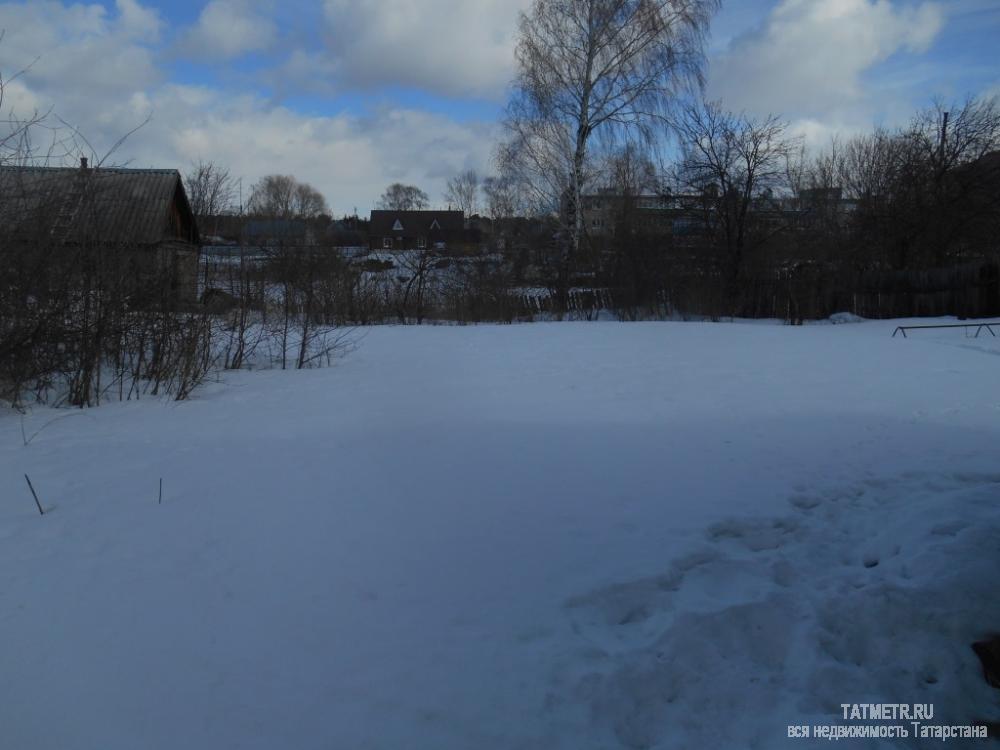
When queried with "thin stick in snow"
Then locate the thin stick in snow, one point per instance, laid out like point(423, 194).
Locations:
point(34, 495)
point(159, 500)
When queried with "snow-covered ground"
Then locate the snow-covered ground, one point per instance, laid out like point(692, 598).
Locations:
point(593, 535)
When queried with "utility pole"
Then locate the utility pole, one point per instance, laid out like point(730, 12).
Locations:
point(944, 135)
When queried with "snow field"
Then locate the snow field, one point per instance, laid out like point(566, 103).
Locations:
point(662, 535)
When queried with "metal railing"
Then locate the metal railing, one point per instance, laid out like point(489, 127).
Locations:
point(978, 326)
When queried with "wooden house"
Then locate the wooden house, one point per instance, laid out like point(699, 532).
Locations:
point(137, 219)
point(441, 231)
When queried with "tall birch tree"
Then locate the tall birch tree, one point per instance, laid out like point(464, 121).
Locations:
point(592, 68)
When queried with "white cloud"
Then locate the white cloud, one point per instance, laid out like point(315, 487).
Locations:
point(138, 22)
point(98, 73)
point(227, 29)
point(79, 58)
point(302, 71)
point(816, 135)
point(449, 47)
point(350, 159)
point(810, 57)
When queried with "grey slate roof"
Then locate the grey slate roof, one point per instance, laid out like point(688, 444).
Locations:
point(133, 206)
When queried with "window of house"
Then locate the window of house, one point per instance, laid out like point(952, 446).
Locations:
point(421, 242)
point(398, 226)
point(387, 243)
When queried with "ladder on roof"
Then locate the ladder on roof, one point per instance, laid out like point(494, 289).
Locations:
point(69, 209)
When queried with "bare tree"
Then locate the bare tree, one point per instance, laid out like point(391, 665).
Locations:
point(415, 285)
point(400, 197)
point(739, 164)
point(211, 189)
point(634, 247)
point(594, 68)
point(284, 197)
point(503, 197)
point(631, 172)
point(939, 185)
point(961, 133)
point(308, 202)
point(463, 192)
point(272, 196)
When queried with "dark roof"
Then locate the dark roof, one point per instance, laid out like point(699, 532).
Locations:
point(985, 169)
point(415, 223)
point(275, 229)
point(134, 206)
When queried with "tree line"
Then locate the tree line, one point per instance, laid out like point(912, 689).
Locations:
point(608, 101)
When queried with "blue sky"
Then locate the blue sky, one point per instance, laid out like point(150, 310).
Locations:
point(353, 94)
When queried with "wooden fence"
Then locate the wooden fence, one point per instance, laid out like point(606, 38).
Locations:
point(971, 290)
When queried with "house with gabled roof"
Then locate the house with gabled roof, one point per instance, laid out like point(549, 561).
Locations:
point(143, 215)
point(442, 231)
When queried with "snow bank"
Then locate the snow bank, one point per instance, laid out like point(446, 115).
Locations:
point(845, 317)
